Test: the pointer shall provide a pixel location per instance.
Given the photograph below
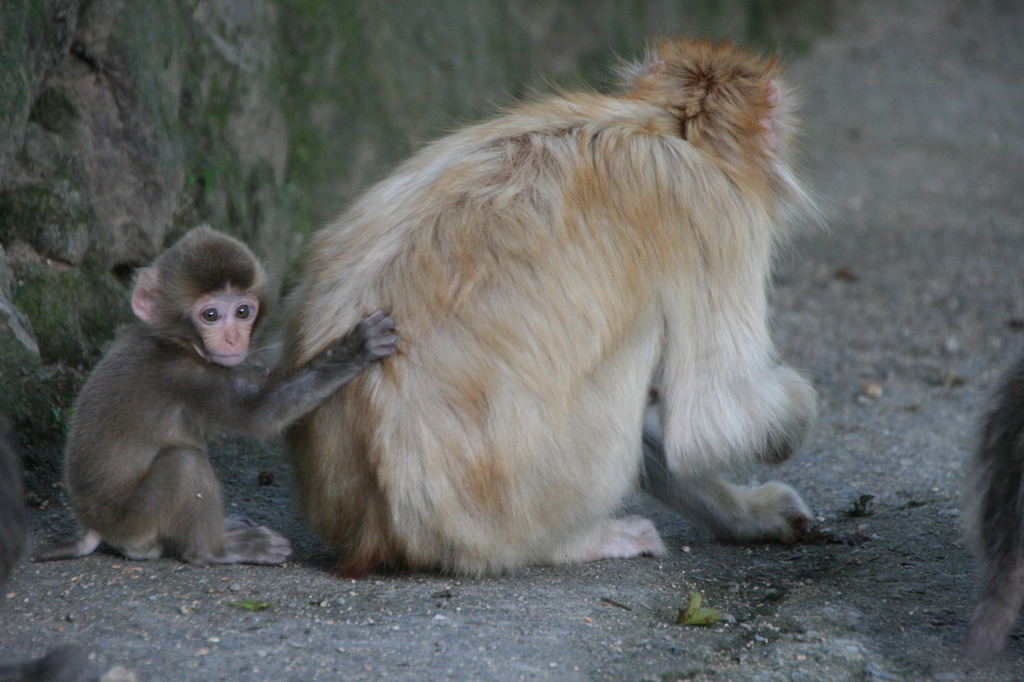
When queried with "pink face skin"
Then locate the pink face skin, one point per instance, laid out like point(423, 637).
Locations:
point(225, 321)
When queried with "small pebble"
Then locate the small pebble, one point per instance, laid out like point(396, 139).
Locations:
point(872, 390)
point(118, 674)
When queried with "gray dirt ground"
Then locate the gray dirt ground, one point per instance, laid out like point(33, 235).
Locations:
point(915, 120)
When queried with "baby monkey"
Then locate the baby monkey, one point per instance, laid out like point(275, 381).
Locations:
point(136, 466)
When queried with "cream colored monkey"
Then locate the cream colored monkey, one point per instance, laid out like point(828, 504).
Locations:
point(544, 266)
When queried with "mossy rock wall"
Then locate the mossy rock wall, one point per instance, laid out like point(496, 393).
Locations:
point(123, 123)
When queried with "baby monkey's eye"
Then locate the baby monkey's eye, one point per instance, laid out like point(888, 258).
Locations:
point(243, 312)
point(210, 315)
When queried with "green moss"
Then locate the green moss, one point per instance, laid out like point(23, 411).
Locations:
point(30, 398)
point(151, 38)
point(73, 312)
point(16, 74)
point(51, 217)
point(72, 301)
point(53, 112)
point(20, 374)
point(323, 65)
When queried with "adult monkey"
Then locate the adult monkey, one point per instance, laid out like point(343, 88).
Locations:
point(137, 471)
point(65, 663)
point(545, 266)
point(995, 500)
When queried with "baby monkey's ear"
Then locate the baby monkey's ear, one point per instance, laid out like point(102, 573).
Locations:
point(144, 295)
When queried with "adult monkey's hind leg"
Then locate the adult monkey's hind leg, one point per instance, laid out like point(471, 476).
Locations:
point(772, 511)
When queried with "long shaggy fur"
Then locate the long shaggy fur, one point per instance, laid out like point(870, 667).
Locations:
point(63, 664)
point(542, 266)
point(13, 511)
point(997, 491)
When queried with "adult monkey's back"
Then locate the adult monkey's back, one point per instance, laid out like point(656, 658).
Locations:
point(543, 267)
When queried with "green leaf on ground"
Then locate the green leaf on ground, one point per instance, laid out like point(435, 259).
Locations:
point(250, 604)
point(696, 615)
